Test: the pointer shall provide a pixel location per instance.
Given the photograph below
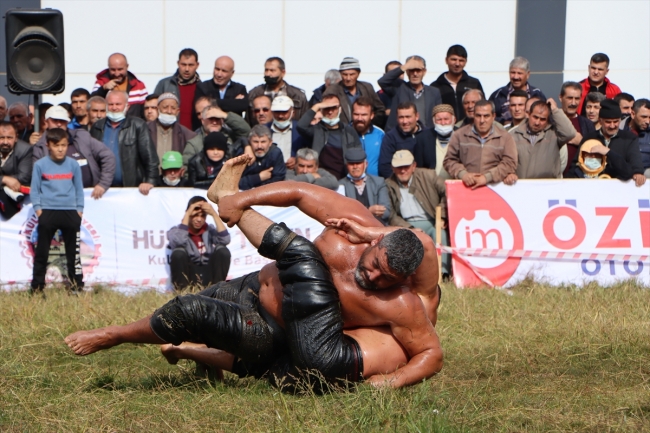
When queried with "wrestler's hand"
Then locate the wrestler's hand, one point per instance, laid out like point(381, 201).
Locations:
point(229, 212)
point(353, 232)
point(381, 381)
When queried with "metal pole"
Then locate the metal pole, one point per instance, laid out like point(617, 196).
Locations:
point(37, 101)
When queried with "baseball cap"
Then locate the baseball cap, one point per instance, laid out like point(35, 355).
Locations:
point(172, 159)
point(281, 103)
point(57, 112)
point(402, 158)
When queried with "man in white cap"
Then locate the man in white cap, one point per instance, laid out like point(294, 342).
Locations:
point(349, 89)
point(166, 131)
point(95, 159)
point(414, 194)
point(284, 130)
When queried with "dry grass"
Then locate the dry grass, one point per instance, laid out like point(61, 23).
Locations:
point(543, 359)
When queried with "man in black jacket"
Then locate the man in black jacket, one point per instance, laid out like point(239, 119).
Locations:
point(15, 169)
point(570, 95)
point(129, 140)
point(623, 143)
point(268, 166)
point(230, 96)
point(455, 82)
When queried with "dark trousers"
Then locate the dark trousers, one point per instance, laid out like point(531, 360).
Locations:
point(8, 207)
point(184, 272)
point(69, 222)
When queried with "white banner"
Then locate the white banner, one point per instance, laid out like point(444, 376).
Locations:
point(558, 231)
point(124, 242)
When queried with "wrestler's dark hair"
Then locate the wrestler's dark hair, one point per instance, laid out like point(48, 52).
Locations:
point(195, 199)
point(403, 250)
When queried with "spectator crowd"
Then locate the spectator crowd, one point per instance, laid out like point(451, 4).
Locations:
point(390, 149)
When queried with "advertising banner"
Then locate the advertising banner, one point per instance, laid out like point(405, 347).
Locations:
point(124, 242)
point(557, 231)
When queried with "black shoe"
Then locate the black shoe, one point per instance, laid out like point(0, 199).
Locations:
point(36, 291)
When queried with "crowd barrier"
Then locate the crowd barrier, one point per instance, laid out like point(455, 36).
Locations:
point(568, 231)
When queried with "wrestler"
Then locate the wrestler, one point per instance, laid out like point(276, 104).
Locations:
point(404, 310)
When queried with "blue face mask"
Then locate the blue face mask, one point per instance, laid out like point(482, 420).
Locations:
point(363, 176)
point(592, 163)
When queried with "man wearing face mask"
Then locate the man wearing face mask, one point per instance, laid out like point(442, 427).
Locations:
point(431, 145)
point(167, 133)
point(622, 143)
point(129, 140)
point(274, 86)
point(593, 158)
point(329, 137)
point(284, 129)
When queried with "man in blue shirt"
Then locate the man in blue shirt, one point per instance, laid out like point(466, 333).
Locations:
point(370, 135)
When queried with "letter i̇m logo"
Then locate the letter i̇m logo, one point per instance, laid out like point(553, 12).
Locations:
point(484, 238)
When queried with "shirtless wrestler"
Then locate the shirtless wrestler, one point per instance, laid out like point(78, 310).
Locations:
point(371, 293)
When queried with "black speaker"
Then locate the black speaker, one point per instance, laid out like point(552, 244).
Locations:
point(34, 42)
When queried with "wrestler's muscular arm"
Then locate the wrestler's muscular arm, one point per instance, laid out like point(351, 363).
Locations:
point(317, 202)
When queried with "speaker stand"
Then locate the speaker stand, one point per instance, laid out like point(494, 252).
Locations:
point(37, 116)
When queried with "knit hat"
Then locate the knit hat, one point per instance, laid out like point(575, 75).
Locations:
point(402, 158)
point(215, 140)
point(355, 154)
point(609, 109)
point(171, 159)
point(443, 108)
point(168, 95)
point(349, 63)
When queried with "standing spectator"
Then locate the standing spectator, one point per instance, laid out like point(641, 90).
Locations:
point(96, 160)
point(624, 144)
point(230, 96)
point(79, 101)
point(268, 166)
point(118, 77)
point(592, 108)
point(183, 85)
point(597, 80)
point(640, 125)
point(306, 170)
point(204, 167)
point(371, 136)
point(332, 76)
point(367, 189)
point(385, 99)
point(539, 140)
point(274, 85)
point(151, 107)
point(96, 108)
point(625, 102)
point(261, 109)
point(481, 153)
point(570, 99)
point(519, 73)
point(199, 253)
point(21, 118)
point(330, 137)
point(15, 169)
point(129, 140)
point(167, 133)
point(455, 82)
point(470, 98)
point(58, 199)
point(424, 97)
point(414, 194)
point(172, 169)
point(349, 89)
point(431, 144)
point(402, 137)
point(285, 130)
point(213, 119)
point(517, 108)
point(3, 108)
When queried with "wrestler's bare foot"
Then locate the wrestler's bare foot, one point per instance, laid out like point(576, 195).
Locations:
point(227, 181)
point(170, 353)
point(86, 342)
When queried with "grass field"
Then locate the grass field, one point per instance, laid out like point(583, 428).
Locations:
point(542, 359)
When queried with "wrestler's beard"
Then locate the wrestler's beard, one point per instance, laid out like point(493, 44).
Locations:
point(358, 277)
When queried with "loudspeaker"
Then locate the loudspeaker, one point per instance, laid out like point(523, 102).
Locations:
point(34, 42)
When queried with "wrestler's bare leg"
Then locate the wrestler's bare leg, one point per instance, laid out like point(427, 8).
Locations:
point(87, 342)
point(210, 362)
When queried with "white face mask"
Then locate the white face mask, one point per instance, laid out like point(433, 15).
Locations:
point(166, 119)
point(116, 116)
point(171, 182)
point(444, 130)
point(332, 122)
point(592, 163)
point(282, 124)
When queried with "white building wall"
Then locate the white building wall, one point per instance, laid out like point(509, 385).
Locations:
point(313, 36)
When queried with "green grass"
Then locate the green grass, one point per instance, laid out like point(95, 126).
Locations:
point(542, 359)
